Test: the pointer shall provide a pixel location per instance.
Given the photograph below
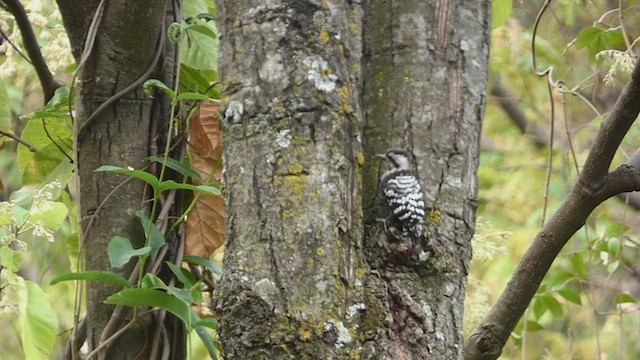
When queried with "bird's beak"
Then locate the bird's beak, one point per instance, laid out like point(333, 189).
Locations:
point(381, 156)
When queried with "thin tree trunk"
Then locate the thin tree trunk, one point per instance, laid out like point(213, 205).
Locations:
point(126, 44)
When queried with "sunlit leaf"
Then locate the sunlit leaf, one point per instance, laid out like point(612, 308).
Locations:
point(38, 324)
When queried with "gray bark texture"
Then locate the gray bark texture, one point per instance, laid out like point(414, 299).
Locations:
point(125, 47)
point(312, 89)
point(294, 272)
point(425, 79)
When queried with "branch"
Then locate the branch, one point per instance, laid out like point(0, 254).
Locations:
point(48, 82)
point(506, 102)
point(18, 139)
point(594, 186)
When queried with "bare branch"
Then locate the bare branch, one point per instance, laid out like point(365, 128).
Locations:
point(594, 186)
point(48, 82)
point(18, 139)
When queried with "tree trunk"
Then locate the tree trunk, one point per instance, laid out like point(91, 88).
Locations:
point(425, 78)
point(295, 264)
point(126, 44)
point(294, 268)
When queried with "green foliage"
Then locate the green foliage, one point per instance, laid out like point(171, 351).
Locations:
point(500, 12)
point(39, 323)
point(587, 297)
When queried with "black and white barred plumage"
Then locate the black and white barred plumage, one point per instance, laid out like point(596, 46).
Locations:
point(403, 193)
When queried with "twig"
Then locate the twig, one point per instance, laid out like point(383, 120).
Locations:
point(48, 82)
point(15, 47)
point(18, 139)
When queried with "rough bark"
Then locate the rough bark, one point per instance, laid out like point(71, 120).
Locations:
point(293, 283)
point(595, 185)
point(425, 75)
point(125, 45)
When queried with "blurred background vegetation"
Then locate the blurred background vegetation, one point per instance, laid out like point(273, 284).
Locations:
point(587, 307)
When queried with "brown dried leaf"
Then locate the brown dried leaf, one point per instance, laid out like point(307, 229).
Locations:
point(204, 228)
point(204, 132)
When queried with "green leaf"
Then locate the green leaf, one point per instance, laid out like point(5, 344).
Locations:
point(49, 136)
point(151, 232)
point(587, 36)
point(500, 12)
point(120, 251)
point(50, 213)
point(20, 215)
point(552, 304)
point(624, 298)
point(615, 230)
point(10, 259)
point(193, 80)
point(210, 323)
point(180, 275)
point(613, 247)
point(170, 184)
point(139, 174)
point(38, 324)
point(192, 96)
point(539, 307)
point(207, 341)
point(211, 190)
point(176, 165)
point(570, 295)
point(579, 265)
point(613, 266)
point(206, 263)
point(150, 281)
point(102, 276)
point(198, 47)
point(534, 326)
point(161, 86)
point(153, 298)
point(57, 107)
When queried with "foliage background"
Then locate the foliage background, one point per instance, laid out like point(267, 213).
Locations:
point(586, 308)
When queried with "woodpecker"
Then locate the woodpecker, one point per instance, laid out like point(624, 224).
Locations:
point(403, 194)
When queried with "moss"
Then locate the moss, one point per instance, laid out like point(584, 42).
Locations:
point(433, 218)
point(344, 99)
point(320, 251)
point(354, 28)
point(379, 79)
point(325, 37)
point(296, 169)
point(305, 334)
point(360, 159)
point(360, 273)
